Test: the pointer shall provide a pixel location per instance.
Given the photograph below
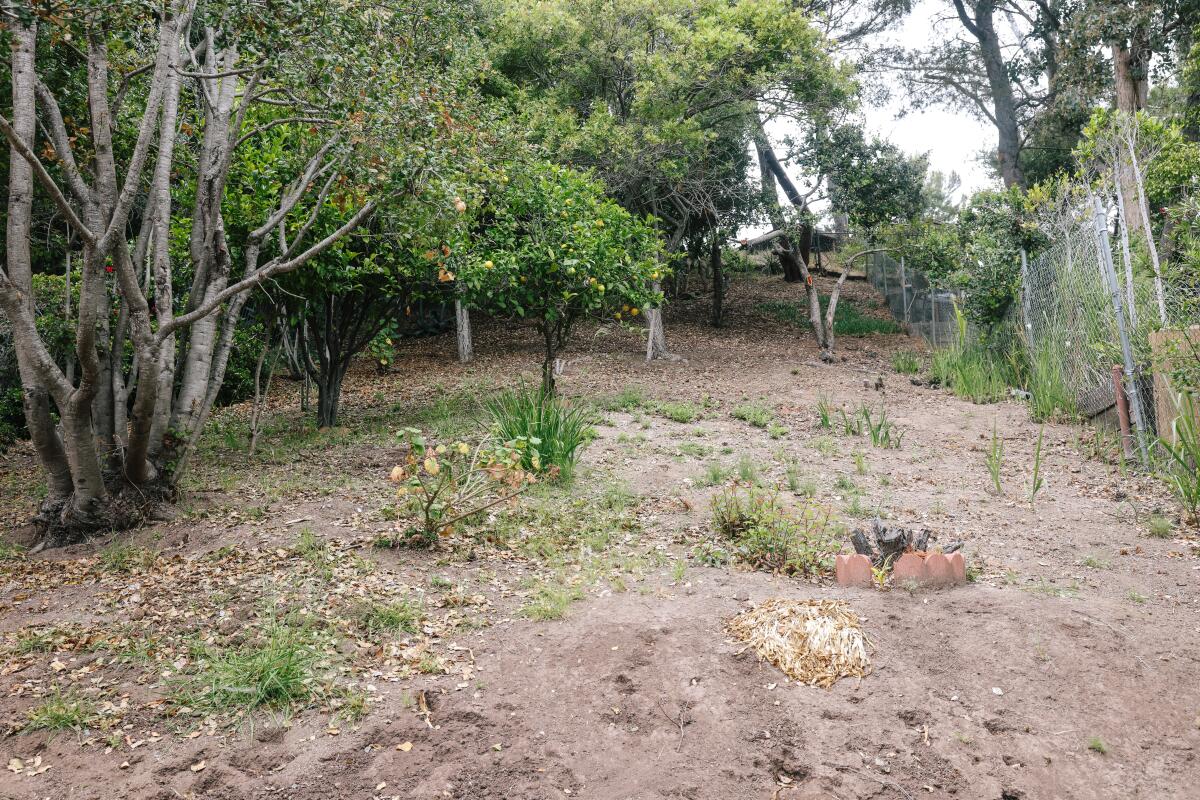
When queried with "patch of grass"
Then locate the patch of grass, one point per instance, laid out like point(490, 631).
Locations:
point(1182, 450)
point(906, 362)
point(824, 413)
point(554, 431)
point(400, 616)
point(694, 450)
point(10, 551)
point(714, 474)
point(882, 431)
point(776, 431)
point(1036, 481)
point(38, 640)
point(748, 471)
point(767, 536)
point(1160, 527)
point(1050, 398)
point(125, 557)
point(1045, 587)
point(1134, 596)
point(440, 582)
point(995, 459)
point(1094, 562)
point(843, 484)
point(825, 445)
point(1097, 745)
point(628, 399)
point(309, 546)
point(848, 320)
point(754, 414)
point(550, 601)
point(678, 571)
point(860, 462)
point(278, 670)
point(61, 712)
point(679, 412)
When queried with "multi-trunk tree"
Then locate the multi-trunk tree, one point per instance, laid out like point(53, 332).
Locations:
point(136, 153)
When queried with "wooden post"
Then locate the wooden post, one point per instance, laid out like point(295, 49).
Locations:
point(1122, 411)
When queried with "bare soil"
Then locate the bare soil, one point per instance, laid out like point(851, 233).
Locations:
point(1066, 669)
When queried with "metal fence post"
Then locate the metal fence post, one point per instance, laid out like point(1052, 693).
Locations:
point(1109, 274)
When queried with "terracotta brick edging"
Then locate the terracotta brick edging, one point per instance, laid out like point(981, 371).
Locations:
point(927, 569)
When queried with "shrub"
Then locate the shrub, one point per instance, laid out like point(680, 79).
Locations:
point(765, 535)
point(552, 432)
point(444, 484)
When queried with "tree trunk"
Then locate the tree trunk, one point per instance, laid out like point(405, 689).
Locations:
point(718, 282)
point(656, 339)
point(548, 384)
point(329, 395)
point(462, 319)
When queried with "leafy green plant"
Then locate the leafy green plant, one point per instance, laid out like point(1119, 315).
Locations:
point(1182, 448)
point(824, 414)
point(1035, 483)
point(882, 431)
point(995, 459)
point(1160, 527)
point(710, 554)
point(549, 433)
point(767, 536)
point(754, 414)
point(444, 484)
point(906, 362)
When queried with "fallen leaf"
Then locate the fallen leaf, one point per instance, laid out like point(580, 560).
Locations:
point(199, 765)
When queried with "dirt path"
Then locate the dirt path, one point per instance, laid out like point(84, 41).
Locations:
point(1067, 669)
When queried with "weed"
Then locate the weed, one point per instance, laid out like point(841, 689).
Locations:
point(401, 616)
point(694, 450)
point(995, 459)
point(1035, 484)
point(125, 557)
point(753, 414)
point(883, 433)
point(553, 431)
point(1097, 745)
point(1134, 596)
point(747, 471)
point(440, 582)
point(714, 475)
point(61, 712)
point(627, 399)
point(776, 431)
point(1050, 398)
point(309, 546)
point(1182, 448)
point(860, 462)
point(843, 484)
point(549, 602)
point(678, 571)
point(906, 362)
point(1160, 527)
point(849, 319)
point(824, 414)
point(38, 640)
point(710, 554)
point(1094, 562)
point(851, 423)
point(825, 446)
point(765, 535)
point(679, 412)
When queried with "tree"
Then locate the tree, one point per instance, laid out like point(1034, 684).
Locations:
point(158, 102)
point(555, 249)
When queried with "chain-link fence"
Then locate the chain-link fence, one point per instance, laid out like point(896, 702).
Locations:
point(926, 310)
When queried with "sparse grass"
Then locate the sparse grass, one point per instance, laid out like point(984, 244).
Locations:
point(748, 471)
point(776, 431)
point(550, 601)
point(440, 582)
point(860, 462)
point(1097, 745)
point(694, 450)
point(754, 414)
point(678, 571)
point(1134, 596)
point(1044, 587)
point(125, 557)
point(825, 445)
point(824, 413)
point(906, 362)
point(309, 546)
point(37, 640)
point(843, 484)
point(1095, 562)
point(1035, 483)
point(10, 551)
point(400, 616)
point(1160, 527)
point(714, 474)
point(60, 711)
point(882, 431)
point(679, 412)
point(628, 399)
point(995, 459)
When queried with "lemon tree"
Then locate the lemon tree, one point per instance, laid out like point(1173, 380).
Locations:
point(555, 249)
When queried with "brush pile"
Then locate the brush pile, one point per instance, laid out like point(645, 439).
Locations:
point(816, 642)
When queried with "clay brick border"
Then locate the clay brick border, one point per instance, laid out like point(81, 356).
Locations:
point(927, 569)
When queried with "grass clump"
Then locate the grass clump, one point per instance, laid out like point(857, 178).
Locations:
point(1097, 745)
point(279, 671)
point(628, 399)
point(714, 474)
point(549, 601)
point(906, 362)
point(1182, 450)
point(753, 414)
point(401, 616)
point(556, 431)
point(767, 536)
point(1160, 527)
point(61, 712)
point(679, 412)
point(125, 557)
point(1050, 398)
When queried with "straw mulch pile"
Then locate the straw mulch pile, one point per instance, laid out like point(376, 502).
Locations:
point(812, 641)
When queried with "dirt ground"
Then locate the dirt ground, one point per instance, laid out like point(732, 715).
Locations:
point(1067, 669)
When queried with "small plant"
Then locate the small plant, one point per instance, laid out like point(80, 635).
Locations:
point(679, 412)
point(880, 575)
point(710, 554)
point(860, 462)
point(1160, 527)
point(766, 536)
point(444, 484)
point(753, 414)
point(883, 432)
point(552, 433)
point(1035, 484)
point(550, 602)
point(1094, 562)
point(401, 616)
point(61, 712)
point(1097, 745)
point(628, 399)
point(776, 431)
point(824, 413)
point(844, 484)
point(995, 459)
point(125, 557)
point(851, 423)
point(906, 362)
point(714, 475)
point(678, 571)
point(309, 546)
point(1134, 596)
point(747, 470)
point(1182, 448)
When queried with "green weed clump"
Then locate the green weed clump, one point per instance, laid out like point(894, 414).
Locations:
point(765, 535)
point(1182, 448)
point(754, 414)
point(1050, 398)
point(557, 431)
point(906, 362)
point(61, 712)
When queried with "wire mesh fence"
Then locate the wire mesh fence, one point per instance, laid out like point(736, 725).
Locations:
point(925, 309)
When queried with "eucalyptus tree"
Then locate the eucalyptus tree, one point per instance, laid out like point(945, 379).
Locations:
point(135, 150)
